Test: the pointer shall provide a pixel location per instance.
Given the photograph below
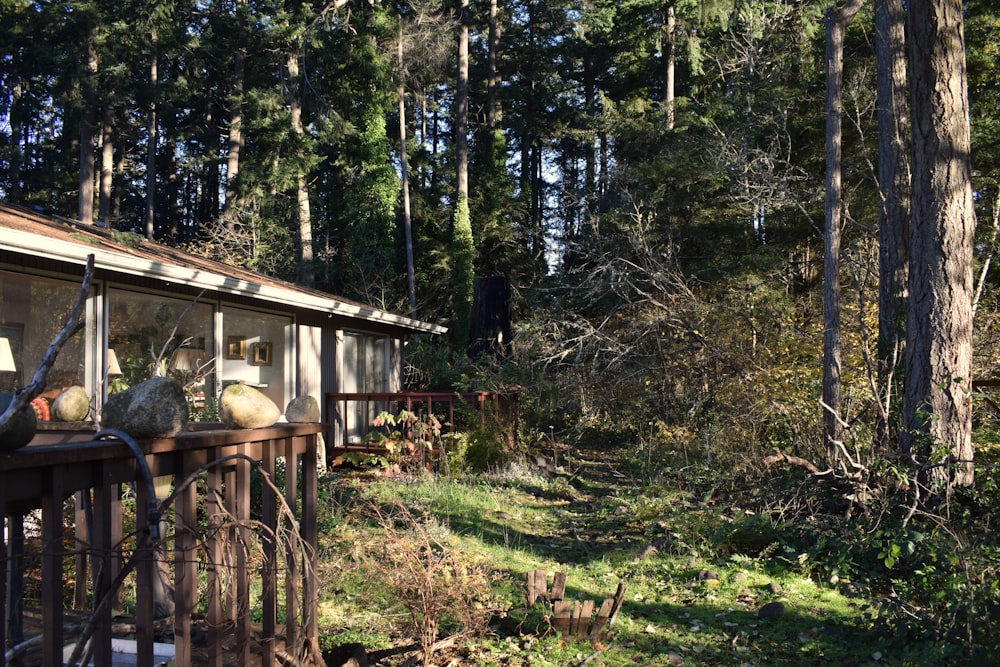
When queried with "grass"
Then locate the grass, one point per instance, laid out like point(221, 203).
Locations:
point(594, 524)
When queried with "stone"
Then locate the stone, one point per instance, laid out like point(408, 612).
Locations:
point(773, 610)
point(71, 405)
point(243, 406)
point(20, 429)
point(774, 588)
point(152, 409)
point(302, 409)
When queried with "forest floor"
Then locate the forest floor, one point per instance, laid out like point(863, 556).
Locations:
point(708, 581)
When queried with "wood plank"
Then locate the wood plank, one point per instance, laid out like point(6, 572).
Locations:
point(574, 620)
point(310, 533)
point(561, 610)
point(559, 586)
point(52, 572)
point(291, 561)
point(583, 621)
point(269, 596)
point(145, 571)
point(100, 558)
point(185, 561)
point(242, 558)
point(3, 579)
point(616, 605)
point(602, 617)
point(214, 549)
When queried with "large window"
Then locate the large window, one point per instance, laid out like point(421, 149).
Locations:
point(254, 352)
point(151, 335)
point(33, 310)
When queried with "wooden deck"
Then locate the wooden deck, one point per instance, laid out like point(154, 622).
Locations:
point(212, 514)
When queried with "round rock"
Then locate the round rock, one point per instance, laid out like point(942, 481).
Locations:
point(71, 405)
point(242, 406)
point(152, 409)
point(302, 409)
point(20, 429)
point(771, 610)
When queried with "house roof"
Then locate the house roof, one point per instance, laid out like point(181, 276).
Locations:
point(30, 233)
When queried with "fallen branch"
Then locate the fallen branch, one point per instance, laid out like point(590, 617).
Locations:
point(795, 461)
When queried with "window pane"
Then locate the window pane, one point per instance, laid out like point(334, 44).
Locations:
point(32, 311)
point(155, 336)
point(255, 352)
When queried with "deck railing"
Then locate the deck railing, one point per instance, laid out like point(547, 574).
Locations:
point(350, 414)
point(218, 584)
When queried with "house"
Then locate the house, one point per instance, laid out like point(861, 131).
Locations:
point(207, 323)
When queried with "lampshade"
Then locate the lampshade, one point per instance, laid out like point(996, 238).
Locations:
point(186, 359)
point(6, 356)
point(113, 367)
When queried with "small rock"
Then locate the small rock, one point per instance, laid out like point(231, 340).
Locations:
point(20, 429)
point(243, 406)
point(772, 610)
point(152, 409)
point(774, 588)
point(302, 409)
point(705, 575)
point(71, 405)
point(739, 577)
point(675, 658)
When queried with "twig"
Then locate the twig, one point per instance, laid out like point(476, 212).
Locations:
point(601, 649)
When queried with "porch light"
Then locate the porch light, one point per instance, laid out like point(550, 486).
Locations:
point(6, 357)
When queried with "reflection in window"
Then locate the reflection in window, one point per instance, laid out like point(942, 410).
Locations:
point(32, 311)
point(155, 336)
point(254, 352)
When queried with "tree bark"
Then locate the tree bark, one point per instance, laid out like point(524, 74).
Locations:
point(937, 405)
point(85, 201)
point(235, 140)
point(404, 168)
point(892, 111)
point(152, 139)
point(107, 162)
point(305, 275)
point(669, 63)
point(837, 21)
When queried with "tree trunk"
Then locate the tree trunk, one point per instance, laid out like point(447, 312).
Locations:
point(235, 122)
point(837, 21)
point(937, 405)
point(107, 162)
point(85, 201)
point(305, 275)
point(894, 217)
point(463, 246)
point(669, 63)
point(404, 169)
point(152, 139)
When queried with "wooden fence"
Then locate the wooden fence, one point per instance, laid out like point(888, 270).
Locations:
point(213, 514)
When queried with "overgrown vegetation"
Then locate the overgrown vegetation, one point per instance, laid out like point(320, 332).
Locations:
point(702, 550)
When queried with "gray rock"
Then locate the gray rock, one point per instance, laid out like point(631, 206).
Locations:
point(774, 588)
point(242, 406)
point(20, 429)
point(302, 409)
point(71, 405)
point(772, 610)
point(152, 409)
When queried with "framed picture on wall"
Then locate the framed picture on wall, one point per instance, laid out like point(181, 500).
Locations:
point(236, 347)
point(261, 354)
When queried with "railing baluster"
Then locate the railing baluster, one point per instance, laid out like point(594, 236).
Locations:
point(100, 558)
point(291, 563)
point(214, 547)
point(145, 571)
point(242, 572)
point(269, 518)
point(52, 572)
point(185, 560)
